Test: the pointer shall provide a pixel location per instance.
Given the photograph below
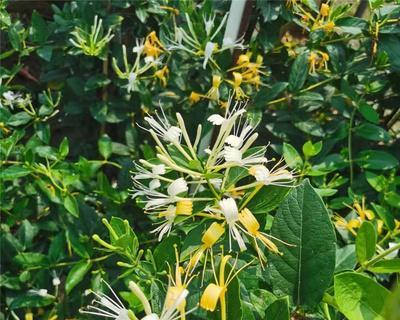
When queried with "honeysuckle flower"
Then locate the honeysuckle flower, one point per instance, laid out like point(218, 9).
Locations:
point(56, 281)
point(182, 208)
point(11, 98)
point(189, 42)
point(236, 157)
point(324, 10)
point(231, 214)
point(195, 97)
point(213, 93)
point(252, 227)
point(216, 292)
point(153, 46)
point(155, 199)
point(108, 306)
point(209, 238)
point(163, 128)
point(40, 292)
point(349, 225)
point(155, 174)
point(237, 81)
point(276, 176)
point(162, 75)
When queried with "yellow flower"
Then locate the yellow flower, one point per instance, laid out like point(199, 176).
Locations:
point(210, 237)
point(152, 45)
point(184, 207)
point(215, 292)
point(29, 316)
point(194, 97)
point(213, 93)
point(324, 10)
point(250, 223)
point(237, 81)
point(329, 26)
point(162, 74)
point(350, 225)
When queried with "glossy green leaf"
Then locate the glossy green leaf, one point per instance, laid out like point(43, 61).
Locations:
point(369, 113)
point(298, 73)
point(32, 300)
point(105, 146)
point(71, 205)
point(359, 297)
point(14, 172)
point(365, 242)
point(267, 199)
point(376, 160)
point(346, 258)
point(305, 269)
point(310, 149)
point(76, 274)
point(292, 157)
point(372, 132)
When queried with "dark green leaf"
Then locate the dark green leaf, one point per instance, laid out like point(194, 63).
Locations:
point(292, 157)
point(376, 160)
point(278, 310)
point(267, 199)
point(298, 73)
point(105, 146)
point(76, 274)
point(372, 132)
point(71, 205)
point(305, 269)
point(14, 172)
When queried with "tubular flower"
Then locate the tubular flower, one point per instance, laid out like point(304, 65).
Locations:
point(188, 40)
point(155, 174)
point(216, 292)
point(276, 176)
point(250, 223)
point(230, 211)
point(152, 46)
point(237, 81)
point(324, 10)
point(350, 225)
point(162, 75)
point(162, 128)
point(210, 237)
point(317, 60)
point(195, 97)
point(106, 306)
point(213, 93)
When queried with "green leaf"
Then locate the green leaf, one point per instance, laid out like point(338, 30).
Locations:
point(71, 205)
point(14, 172)
point(267, 199)
point(63, 149)
point(32, 300)
point(76, 274)
point(105, 146)
point(365, 242)
point(386, 266)
point(372, 132)
point(305, 269)
point(376, 160)
point(346, 258)
point(311, 150)
point(165, 252)
point(278, 310)
point(359, 297)
point(378, 182)
point(19, 119)
point(369, 113)
point(31, 259)
point(292, 157)
point(39, 28)
point(298, 73)
point(385, 215)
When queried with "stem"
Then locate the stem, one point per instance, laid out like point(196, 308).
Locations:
point(378, 257)
point(251, 196)
point(223, 308)
point(328, 299)
point(349, 146)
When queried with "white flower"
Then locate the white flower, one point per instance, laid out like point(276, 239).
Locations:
point(177, 187)
point(154, 174)
point(40, 292)
point(208, 51)
point(276, 176)
point(209, 24)
point(131, 81)
point(10, 98)
point(235, 156)
point(149, 60)
point(105, 306)
point(138, 49)
point(165, 227)
point(240, 135)
point(231, 213)
point(163, 128)
point(216, 119)
point(56, 281)
point(393, 254)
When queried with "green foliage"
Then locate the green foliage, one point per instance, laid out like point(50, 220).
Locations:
point(75, 89)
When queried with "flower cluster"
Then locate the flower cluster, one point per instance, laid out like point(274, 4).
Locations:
point(206, 45)
point(315, 20)
point(185, 183)
point(149, 53)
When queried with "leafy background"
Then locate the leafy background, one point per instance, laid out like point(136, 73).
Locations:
point(66, 166)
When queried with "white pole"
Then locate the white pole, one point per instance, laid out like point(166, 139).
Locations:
point(234, 20)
